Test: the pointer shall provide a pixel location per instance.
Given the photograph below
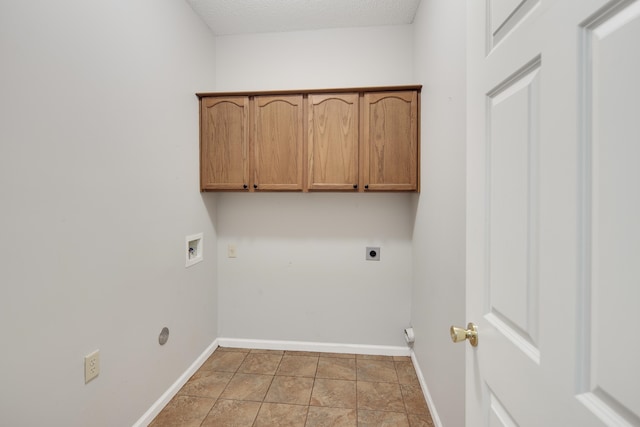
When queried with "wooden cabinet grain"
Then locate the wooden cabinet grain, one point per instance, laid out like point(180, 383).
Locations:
point(362, 139)
point(224, 143)
point(390, 148)
point(333, 138)
point(278, 143)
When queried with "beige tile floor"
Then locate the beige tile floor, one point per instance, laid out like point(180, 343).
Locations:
point(257, 388)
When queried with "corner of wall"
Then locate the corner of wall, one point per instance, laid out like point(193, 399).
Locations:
point(438, 297)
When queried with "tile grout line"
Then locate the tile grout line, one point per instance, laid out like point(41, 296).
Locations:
point(404, 403)
point(255, 418)
point(273, 377)
point(236, 371)
point(357, 416)
point(216, 399)
point(306, 418)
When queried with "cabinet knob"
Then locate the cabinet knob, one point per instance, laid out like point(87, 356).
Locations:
point(255, 185)
point(245, 186)
point(366, 187)
point(355, 186)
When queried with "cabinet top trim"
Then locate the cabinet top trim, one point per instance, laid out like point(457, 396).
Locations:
point(312, 91)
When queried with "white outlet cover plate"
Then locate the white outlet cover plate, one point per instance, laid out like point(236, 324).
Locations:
point(232, 250)
point(91, 366)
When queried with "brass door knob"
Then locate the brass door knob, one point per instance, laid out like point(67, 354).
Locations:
point(460, 334)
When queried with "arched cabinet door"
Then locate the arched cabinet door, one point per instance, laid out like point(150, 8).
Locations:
point(390, 147)
point(333, 137)
point(224, 143)
point(278, 143)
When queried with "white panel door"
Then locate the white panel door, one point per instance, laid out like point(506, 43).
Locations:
point(553, 225)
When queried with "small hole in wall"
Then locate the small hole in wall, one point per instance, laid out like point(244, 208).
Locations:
point(194, 246)
point(164, 336)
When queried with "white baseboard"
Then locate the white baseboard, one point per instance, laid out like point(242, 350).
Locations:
point(381, 350)
point(162, 401)
point(425, 391)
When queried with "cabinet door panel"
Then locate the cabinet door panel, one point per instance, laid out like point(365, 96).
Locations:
point(391, 141)
point(224, 162)
point(278, 142)
point(333, 141)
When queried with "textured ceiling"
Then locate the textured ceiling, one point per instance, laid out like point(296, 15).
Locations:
point(260, 16)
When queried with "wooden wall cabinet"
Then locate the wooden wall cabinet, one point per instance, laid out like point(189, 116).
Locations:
point(364, 139)
point(224, 143)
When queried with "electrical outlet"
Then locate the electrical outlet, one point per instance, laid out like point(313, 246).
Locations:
point(373, 253)
point(232, 251)
point(91, 366)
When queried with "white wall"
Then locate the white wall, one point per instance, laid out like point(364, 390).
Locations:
point(300, 273)
point(438, 299)
point(99, 186)
point(346, 57)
